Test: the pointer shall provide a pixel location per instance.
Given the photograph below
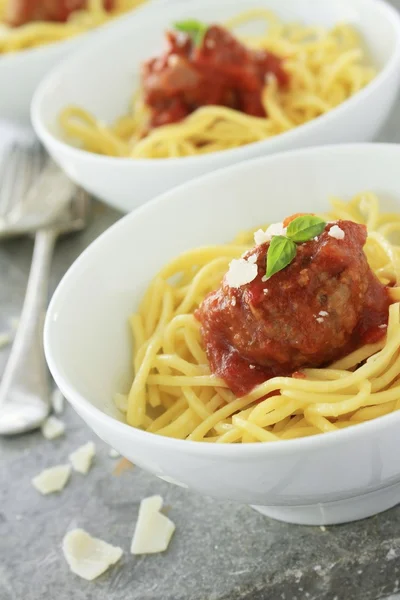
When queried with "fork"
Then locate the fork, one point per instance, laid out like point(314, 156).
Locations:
point(19, 168)
point(24, 388)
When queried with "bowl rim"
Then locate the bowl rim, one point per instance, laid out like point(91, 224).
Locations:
point(45, 134)
point(318, 441)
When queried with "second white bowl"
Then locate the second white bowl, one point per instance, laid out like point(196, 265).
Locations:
point(328, 478)
point(102, 79)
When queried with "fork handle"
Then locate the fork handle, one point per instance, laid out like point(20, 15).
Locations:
point(25, 386)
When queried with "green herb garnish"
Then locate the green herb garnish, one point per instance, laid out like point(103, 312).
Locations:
point(304, 228)
point(280, 254)
point(282, 249)
point(195, 29)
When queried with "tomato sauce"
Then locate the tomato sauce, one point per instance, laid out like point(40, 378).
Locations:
point(220, 71)
point(321, 307)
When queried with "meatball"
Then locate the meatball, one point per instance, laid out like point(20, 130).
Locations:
point(221, 71)
point(306, 315)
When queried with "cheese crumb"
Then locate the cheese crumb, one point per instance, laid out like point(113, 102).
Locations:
point(153, 530)
point(323, 313)
point(265, 291)
point(320, 319)
point(87, 556)
point(240, 272)
point(383, 326)
point(82, 458)
point(113, 453)
point(57, 401)
point(52, 428)
point(252, 366)
point(173, 60)
point(261, 237)
point(336, 232)
point(391, 554)
point(52, 480)
point(233, 301)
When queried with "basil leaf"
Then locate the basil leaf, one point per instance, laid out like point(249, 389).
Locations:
point(305, 228)
point(195, 29)
point(280, 254)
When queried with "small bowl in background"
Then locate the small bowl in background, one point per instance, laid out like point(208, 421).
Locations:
point(103, 77)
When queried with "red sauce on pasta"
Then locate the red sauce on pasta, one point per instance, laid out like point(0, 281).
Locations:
point(19, 12)
point(220, 71)
point(321, 307)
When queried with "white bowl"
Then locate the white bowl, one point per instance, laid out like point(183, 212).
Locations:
point(102, 79)
point(21, 72)
point(328, 478)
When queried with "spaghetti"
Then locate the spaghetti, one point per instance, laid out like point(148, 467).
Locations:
point(324, 68)
point(175, 394)
point(42, 32)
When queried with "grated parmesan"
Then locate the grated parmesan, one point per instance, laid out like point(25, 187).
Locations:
point(261, 237)
point(153, 530)
point(52, 428)
point(82, 458)
point(87, 556)
point(173, 60)
point(52, 480)
point(323, 313)
point(320, 320)
point(336, 232)
point(240, 272)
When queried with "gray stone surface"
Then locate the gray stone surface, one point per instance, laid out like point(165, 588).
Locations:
point(220, 551)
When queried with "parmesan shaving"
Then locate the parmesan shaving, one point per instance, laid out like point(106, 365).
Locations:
point(153, 530)
point(261, 237)
point(87, 556)
point(82, 458)
point(336, 232)
point(52, 428)
point(240, 272)
point(52, 480)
